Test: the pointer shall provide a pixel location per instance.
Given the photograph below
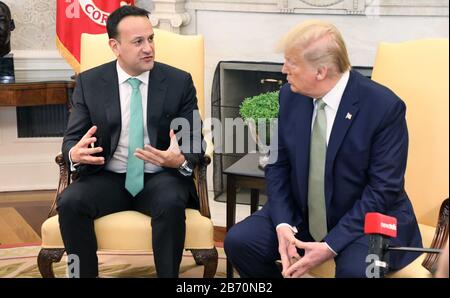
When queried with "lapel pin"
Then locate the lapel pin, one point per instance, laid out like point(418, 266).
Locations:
point(348, 116)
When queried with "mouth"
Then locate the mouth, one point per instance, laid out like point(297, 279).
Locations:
point(147, 58)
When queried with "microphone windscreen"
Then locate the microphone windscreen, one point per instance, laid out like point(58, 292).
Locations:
point(377, 223)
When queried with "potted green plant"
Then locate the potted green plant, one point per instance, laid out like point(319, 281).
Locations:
point(260, 110)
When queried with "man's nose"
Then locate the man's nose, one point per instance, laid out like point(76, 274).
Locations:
point(284, 69)
point(148, 46)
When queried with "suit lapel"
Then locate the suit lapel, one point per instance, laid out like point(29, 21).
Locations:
point(303, 131)
point(345, 116)
point(157, 89)
point(110, 89)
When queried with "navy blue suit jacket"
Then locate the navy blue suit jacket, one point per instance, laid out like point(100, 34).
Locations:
point(364, 171)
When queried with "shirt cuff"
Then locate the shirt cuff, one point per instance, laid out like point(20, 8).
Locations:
point(72, 165)
point(293, 229)
point(329, 247)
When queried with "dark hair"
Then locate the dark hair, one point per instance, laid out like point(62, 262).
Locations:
point(117, 15)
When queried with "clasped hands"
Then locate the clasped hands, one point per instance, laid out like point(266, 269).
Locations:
point(83, 152)
point(316, 253)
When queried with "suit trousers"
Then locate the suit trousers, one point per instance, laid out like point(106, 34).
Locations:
point(164, 199)
point(252, 247)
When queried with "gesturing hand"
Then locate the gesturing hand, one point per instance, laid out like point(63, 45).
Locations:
point(83, 150)
point(170, 158)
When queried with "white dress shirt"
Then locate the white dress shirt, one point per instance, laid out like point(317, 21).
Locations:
point(332, 100)
point(119, 160)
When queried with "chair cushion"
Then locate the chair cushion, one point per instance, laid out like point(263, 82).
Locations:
point(131, 230)
point(415, 269)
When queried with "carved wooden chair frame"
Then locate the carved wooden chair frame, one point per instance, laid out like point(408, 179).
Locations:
point(206, 257)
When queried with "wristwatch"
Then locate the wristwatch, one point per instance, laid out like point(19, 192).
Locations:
point(185, 168)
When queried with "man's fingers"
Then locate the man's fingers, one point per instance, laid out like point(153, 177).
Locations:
point(149, 157)
point(285, 262)
point(90, 132)
point(293, 256)
point(301, 244)
point(299, 273)
point(172, 135)
point(95, 150)
point(87, 142)
point(154, 151)
point(282, 249)
point(297, 269)
point(93, 160)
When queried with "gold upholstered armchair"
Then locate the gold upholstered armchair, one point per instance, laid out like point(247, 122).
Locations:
point(130, 230)
point(418, 72)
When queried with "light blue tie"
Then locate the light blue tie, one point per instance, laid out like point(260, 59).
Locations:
point(316, 181)
point(134, 181)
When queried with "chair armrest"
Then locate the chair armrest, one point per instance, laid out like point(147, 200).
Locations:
point(439, 239)
point(201, 186)
point(64, 180)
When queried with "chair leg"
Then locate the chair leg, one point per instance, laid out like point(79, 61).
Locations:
point(46, 258)
point(208, 258)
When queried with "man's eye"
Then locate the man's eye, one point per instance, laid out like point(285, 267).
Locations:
point(138, 42)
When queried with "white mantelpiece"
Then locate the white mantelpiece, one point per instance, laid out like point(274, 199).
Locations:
point(172, 15)
point(352, 7)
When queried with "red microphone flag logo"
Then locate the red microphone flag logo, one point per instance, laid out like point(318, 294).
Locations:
point(74, 17)
point(377, 223)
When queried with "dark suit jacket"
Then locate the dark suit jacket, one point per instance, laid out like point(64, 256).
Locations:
point(95, 101)
point(365, 165)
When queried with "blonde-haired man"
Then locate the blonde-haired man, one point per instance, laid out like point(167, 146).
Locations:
point(342, 150)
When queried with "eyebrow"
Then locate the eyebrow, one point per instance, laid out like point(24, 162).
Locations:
point(140, 36)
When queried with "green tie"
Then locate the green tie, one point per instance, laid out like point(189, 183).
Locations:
point(134, 181)
point(316, 183)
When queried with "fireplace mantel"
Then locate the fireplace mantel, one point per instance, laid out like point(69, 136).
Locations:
point(346, 7)
point(172, 15)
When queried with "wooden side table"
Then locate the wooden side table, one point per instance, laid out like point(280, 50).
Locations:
point(246, 174)
point(32, 93)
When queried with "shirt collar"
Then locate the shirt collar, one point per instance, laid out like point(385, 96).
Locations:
point(123, 76)
point(334, 96)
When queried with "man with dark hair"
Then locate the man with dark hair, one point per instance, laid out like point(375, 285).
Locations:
point(119, 140)
point(6, 26)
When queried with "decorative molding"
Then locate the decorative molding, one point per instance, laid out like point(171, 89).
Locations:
point(343, 7)
point(170, 15)
point(32, 64)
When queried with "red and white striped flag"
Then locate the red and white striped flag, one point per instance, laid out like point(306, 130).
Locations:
point(74, 17)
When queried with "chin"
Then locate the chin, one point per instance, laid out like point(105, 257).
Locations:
point(293, 89)
point(147, 66)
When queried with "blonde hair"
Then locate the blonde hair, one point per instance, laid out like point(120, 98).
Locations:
point(319, 43)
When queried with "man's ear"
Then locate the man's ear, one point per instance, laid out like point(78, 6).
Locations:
point(322, 72)
point(114, 45)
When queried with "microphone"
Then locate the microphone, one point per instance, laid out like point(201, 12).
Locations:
point(380, 229)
